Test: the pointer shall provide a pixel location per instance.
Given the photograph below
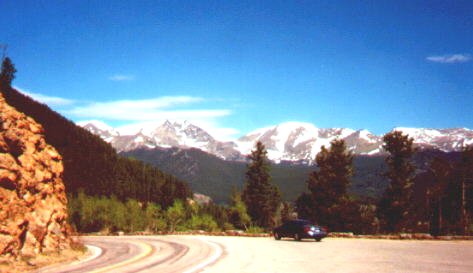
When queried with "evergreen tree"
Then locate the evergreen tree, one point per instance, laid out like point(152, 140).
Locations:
point(441, 171)
point(305, 206)
point(327, 202)
point(261, 197)
point(466, 187)
point(8, 72)
point(394, 206)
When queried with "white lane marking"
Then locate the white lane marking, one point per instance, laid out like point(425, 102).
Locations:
point(213, 258)
point(148, 250)
point(96, 251)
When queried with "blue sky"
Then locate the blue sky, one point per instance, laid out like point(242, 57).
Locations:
point(234, 66)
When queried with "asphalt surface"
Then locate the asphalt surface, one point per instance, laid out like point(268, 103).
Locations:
point(129, 254)
point(209, 254)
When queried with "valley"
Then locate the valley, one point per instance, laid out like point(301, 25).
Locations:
point(215, 177)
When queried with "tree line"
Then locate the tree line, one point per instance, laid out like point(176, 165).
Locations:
point(441, 203)
point(110, 214)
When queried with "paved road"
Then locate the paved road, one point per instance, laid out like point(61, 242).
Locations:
point(343, 255)
point(242, 254)
point(129, 254)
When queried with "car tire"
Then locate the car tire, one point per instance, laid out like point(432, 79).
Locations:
point(277, 236)
point(297, 237)
point(318, 239)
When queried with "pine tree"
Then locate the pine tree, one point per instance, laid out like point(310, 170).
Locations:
point(261, 197)
point(7, 73)
point(441, 171)
point(328, 201)
point(394, 206)
point(466, 186)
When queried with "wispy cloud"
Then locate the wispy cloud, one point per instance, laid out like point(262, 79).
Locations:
point(49, 100)
point(121, 78)
point(144, 110)
point(135, 115)
point(150, 113)
point(450, 58)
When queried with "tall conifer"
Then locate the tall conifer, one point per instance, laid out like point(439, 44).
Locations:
point(327, 202)
point(261, 197)
point(466, 187)
point(395, 204)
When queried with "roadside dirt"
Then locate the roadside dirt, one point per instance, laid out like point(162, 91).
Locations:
point(30, 263)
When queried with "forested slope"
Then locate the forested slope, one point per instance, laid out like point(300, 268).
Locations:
point(92, 164)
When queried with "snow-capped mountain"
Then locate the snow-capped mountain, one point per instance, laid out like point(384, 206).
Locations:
point(166, 135)
point(291, 141)
point(99, 128)
point(442, 139)
point(296, 141)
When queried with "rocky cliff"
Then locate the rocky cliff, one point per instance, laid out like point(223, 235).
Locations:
point(33, 210)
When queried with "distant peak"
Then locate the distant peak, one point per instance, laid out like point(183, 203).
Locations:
point(296, 124)
point(290, 140)
point(96, 123)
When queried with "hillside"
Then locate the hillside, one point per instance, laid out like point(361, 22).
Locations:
point(92, 165)
point(216, 177)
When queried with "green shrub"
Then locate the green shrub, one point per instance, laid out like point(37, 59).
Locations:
point(255, 229)
point(202, 222)
point(228, 226)
point(175, 215)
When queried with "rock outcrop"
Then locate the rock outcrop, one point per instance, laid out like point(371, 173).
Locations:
point(33, 204)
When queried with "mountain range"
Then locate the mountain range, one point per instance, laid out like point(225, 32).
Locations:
point(290, 141)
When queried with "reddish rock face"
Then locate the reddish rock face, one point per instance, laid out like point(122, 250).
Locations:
point(33, 210)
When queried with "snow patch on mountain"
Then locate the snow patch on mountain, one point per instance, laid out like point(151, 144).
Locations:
point(446, 140)
point(289, 141)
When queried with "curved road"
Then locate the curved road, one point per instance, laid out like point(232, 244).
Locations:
point(129, 254)
point(208, 254)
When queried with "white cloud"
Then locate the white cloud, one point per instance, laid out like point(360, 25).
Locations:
point(121, 78)
point(49, 100)
point(150, 113)
point(143, 114)
point(450, 58)
point(146, 110)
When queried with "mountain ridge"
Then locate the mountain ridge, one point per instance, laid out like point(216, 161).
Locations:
point(290, 141)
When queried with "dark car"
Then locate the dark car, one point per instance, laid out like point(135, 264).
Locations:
point(299, 229)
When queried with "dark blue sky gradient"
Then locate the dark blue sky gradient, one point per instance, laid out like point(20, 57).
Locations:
point(356, 64)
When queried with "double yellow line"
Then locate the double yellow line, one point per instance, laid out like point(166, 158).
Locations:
point(148, 250)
